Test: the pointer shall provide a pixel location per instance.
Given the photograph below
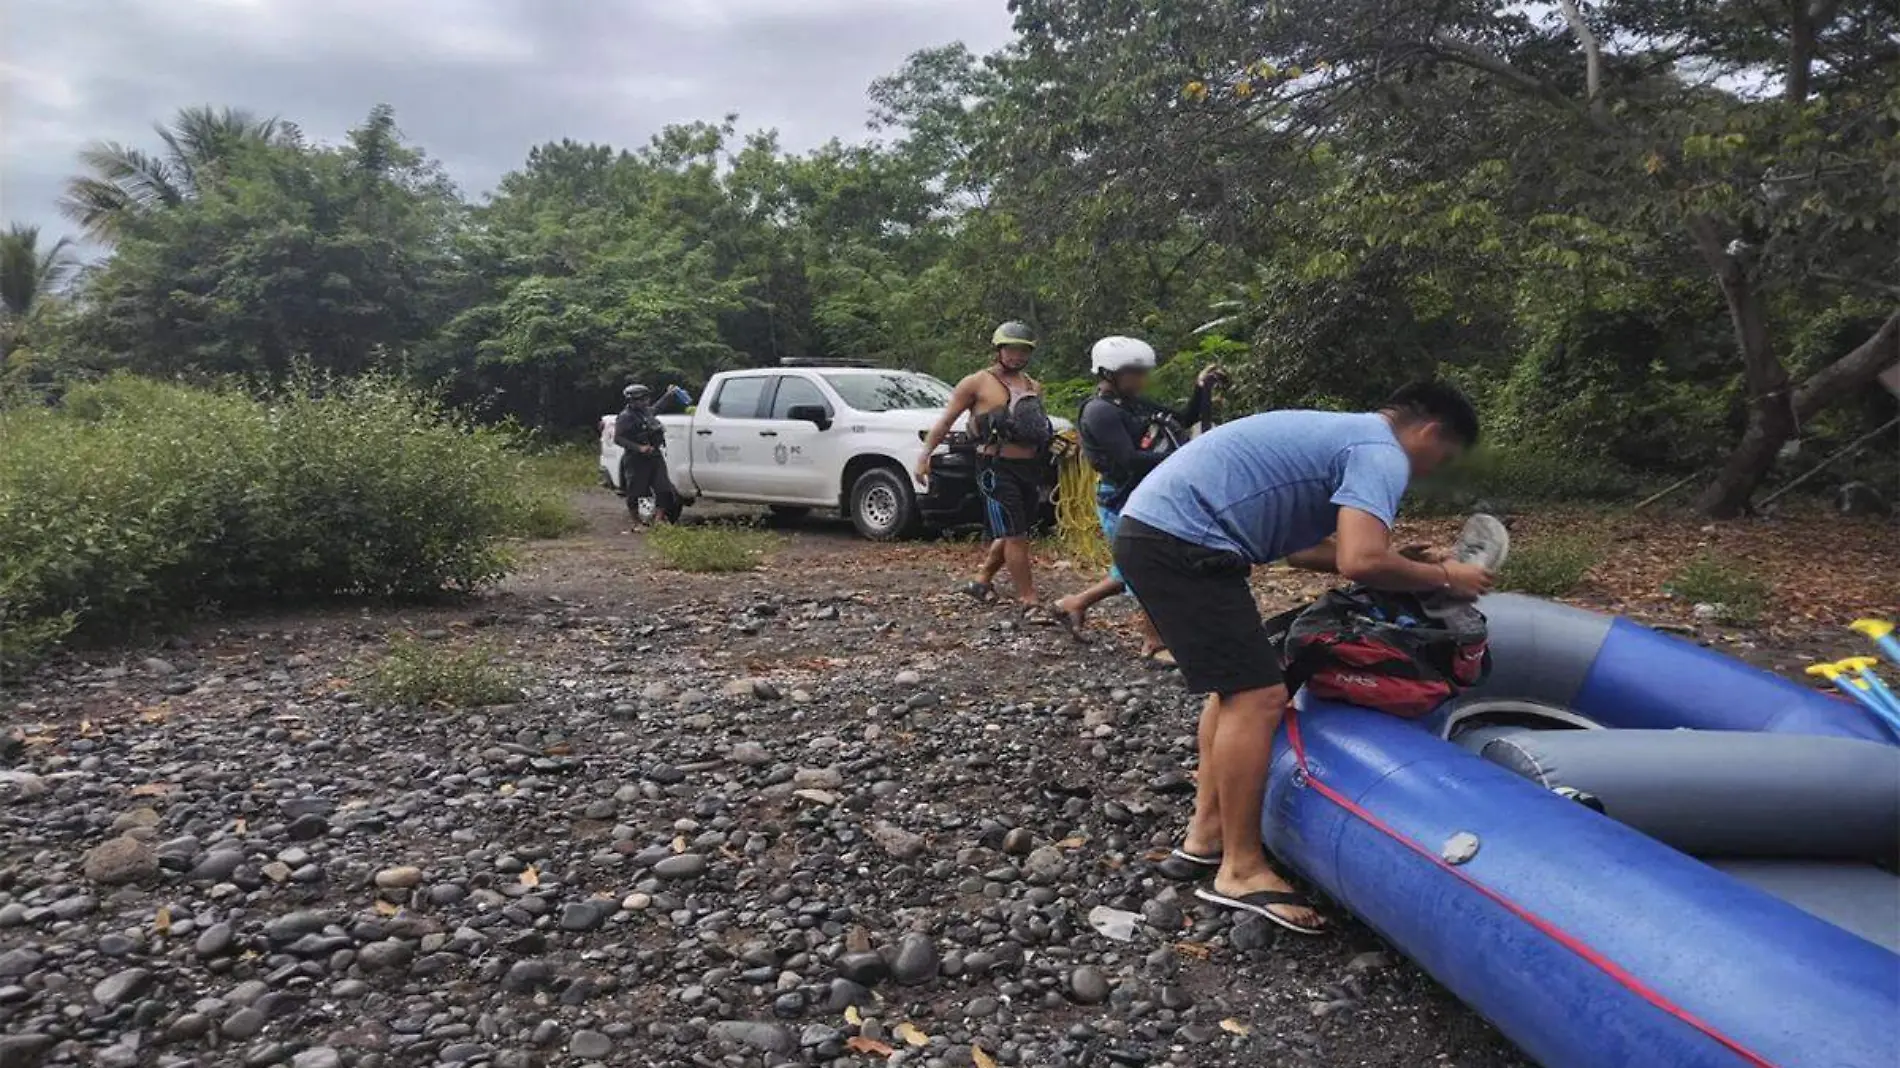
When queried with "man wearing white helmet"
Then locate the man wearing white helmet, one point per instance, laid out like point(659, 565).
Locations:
point(1125, 436)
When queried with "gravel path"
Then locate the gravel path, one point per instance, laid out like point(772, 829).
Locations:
point(813, 815)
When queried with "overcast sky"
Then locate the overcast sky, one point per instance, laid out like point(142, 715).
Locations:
point(474, 82)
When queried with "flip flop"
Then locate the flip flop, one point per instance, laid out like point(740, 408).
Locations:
point(1069, 620)
point(1260, 903)
point(1185, 867)
point(981, 592)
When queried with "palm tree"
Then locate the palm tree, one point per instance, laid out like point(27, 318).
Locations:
point(125, 182)
point(27, 273)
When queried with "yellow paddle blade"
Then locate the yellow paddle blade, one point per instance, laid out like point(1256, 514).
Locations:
point(1872, 628)
point(1857, 663)
point(1826, 671)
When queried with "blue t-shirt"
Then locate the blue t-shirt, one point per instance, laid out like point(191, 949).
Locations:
point(1273, 483)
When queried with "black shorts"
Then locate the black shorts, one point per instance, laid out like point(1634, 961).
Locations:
point(1012, 492)
point(1202, 606)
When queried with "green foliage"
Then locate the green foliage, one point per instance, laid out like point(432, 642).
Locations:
point(415, 674)
point(1508, 474)
point(710, 547)
point(137, 503)
point(1551, 565)
point(1738, 594)
point(1328, 197)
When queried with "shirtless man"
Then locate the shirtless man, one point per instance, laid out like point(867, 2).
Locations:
point(1011, 437)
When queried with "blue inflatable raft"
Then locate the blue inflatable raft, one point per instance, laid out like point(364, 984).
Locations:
point(1734, 902)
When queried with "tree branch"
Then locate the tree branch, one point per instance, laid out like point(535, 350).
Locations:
point(1480, 59)
point(1855, 369)
point(1862, 283)
point(1592, 56)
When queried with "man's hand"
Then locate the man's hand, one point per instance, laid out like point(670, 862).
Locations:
point(1466, 582)
point(1210, 373)
point(922, 473)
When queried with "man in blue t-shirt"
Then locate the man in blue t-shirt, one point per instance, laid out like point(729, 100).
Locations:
point(1319, 490)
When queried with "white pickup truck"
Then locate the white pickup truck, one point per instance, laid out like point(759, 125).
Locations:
point(805, 436)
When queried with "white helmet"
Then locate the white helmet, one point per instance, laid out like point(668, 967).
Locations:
point(1116, 353)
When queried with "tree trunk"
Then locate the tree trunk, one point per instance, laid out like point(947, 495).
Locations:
point(1771, 419)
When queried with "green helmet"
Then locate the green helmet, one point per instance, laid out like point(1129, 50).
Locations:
point(1013, 333)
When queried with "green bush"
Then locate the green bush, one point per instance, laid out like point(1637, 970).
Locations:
point(416, 673)
point(1516, 475)
point(137, 503)
point(710, 548)
point(1550, 566)
point(1711, 578)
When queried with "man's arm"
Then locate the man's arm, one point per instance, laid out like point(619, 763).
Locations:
point(1363, 553)
point(1323, 557)
point(961, 400)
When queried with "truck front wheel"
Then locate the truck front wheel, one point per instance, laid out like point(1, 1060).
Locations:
point(883, 508)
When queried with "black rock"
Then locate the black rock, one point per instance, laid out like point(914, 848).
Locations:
point(244, 1023)
point(583, 915)
point(789, 1005)
point(291, 926)
point(215, 940)
point(1088, 986)
point(916, 960)
point(24, 1051)
point(306, 827)
point(682, 866)
point(845, 993)
point(868, 969)
point(526, 976)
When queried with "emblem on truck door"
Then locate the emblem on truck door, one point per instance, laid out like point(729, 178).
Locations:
point(781, 454)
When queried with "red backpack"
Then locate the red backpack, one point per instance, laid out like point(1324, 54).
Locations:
point(1399, 653)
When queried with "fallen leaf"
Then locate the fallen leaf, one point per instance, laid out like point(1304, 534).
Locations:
point(86, 729)
point(1076, 842)
point(852, 1016)
point(162, 923)
point(911, 1034)
point(982, 1059)
point(239, 826)
point(506, 789)
point(1235, 1027)
point(530, 878)
point(153, 789)
point(860, 1044)
point(384, 908)
point(1193, 949)
point(559, 749)
point(679, 844)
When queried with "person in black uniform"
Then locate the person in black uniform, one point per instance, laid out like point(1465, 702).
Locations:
point(642, 439)
point(1125, 436)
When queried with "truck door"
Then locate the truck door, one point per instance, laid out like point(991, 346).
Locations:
point(802, 467)
point(728, 452)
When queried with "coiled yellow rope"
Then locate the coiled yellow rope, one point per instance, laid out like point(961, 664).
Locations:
point(1078, 532)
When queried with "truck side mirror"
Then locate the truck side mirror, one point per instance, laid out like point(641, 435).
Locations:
point(814, 414)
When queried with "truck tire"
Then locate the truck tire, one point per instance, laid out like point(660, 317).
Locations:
point(883, 508)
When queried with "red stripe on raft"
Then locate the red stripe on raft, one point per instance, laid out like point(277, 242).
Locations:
point(1559, 935)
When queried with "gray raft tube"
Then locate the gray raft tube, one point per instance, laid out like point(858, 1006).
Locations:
point(1611, 672)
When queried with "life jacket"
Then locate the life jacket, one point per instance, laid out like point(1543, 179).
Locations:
point(1022, 421)
point(1400, 653)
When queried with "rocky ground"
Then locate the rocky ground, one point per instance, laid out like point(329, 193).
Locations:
point(826, 813)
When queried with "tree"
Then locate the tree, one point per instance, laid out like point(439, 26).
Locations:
point(125, 182)
point(1752, 132)
point(283, 254)
point(29, 273)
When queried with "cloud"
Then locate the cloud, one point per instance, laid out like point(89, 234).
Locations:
point(475, 82)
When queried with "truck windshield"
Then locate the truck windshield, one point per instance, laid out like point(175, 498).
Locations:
point(885, 391)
